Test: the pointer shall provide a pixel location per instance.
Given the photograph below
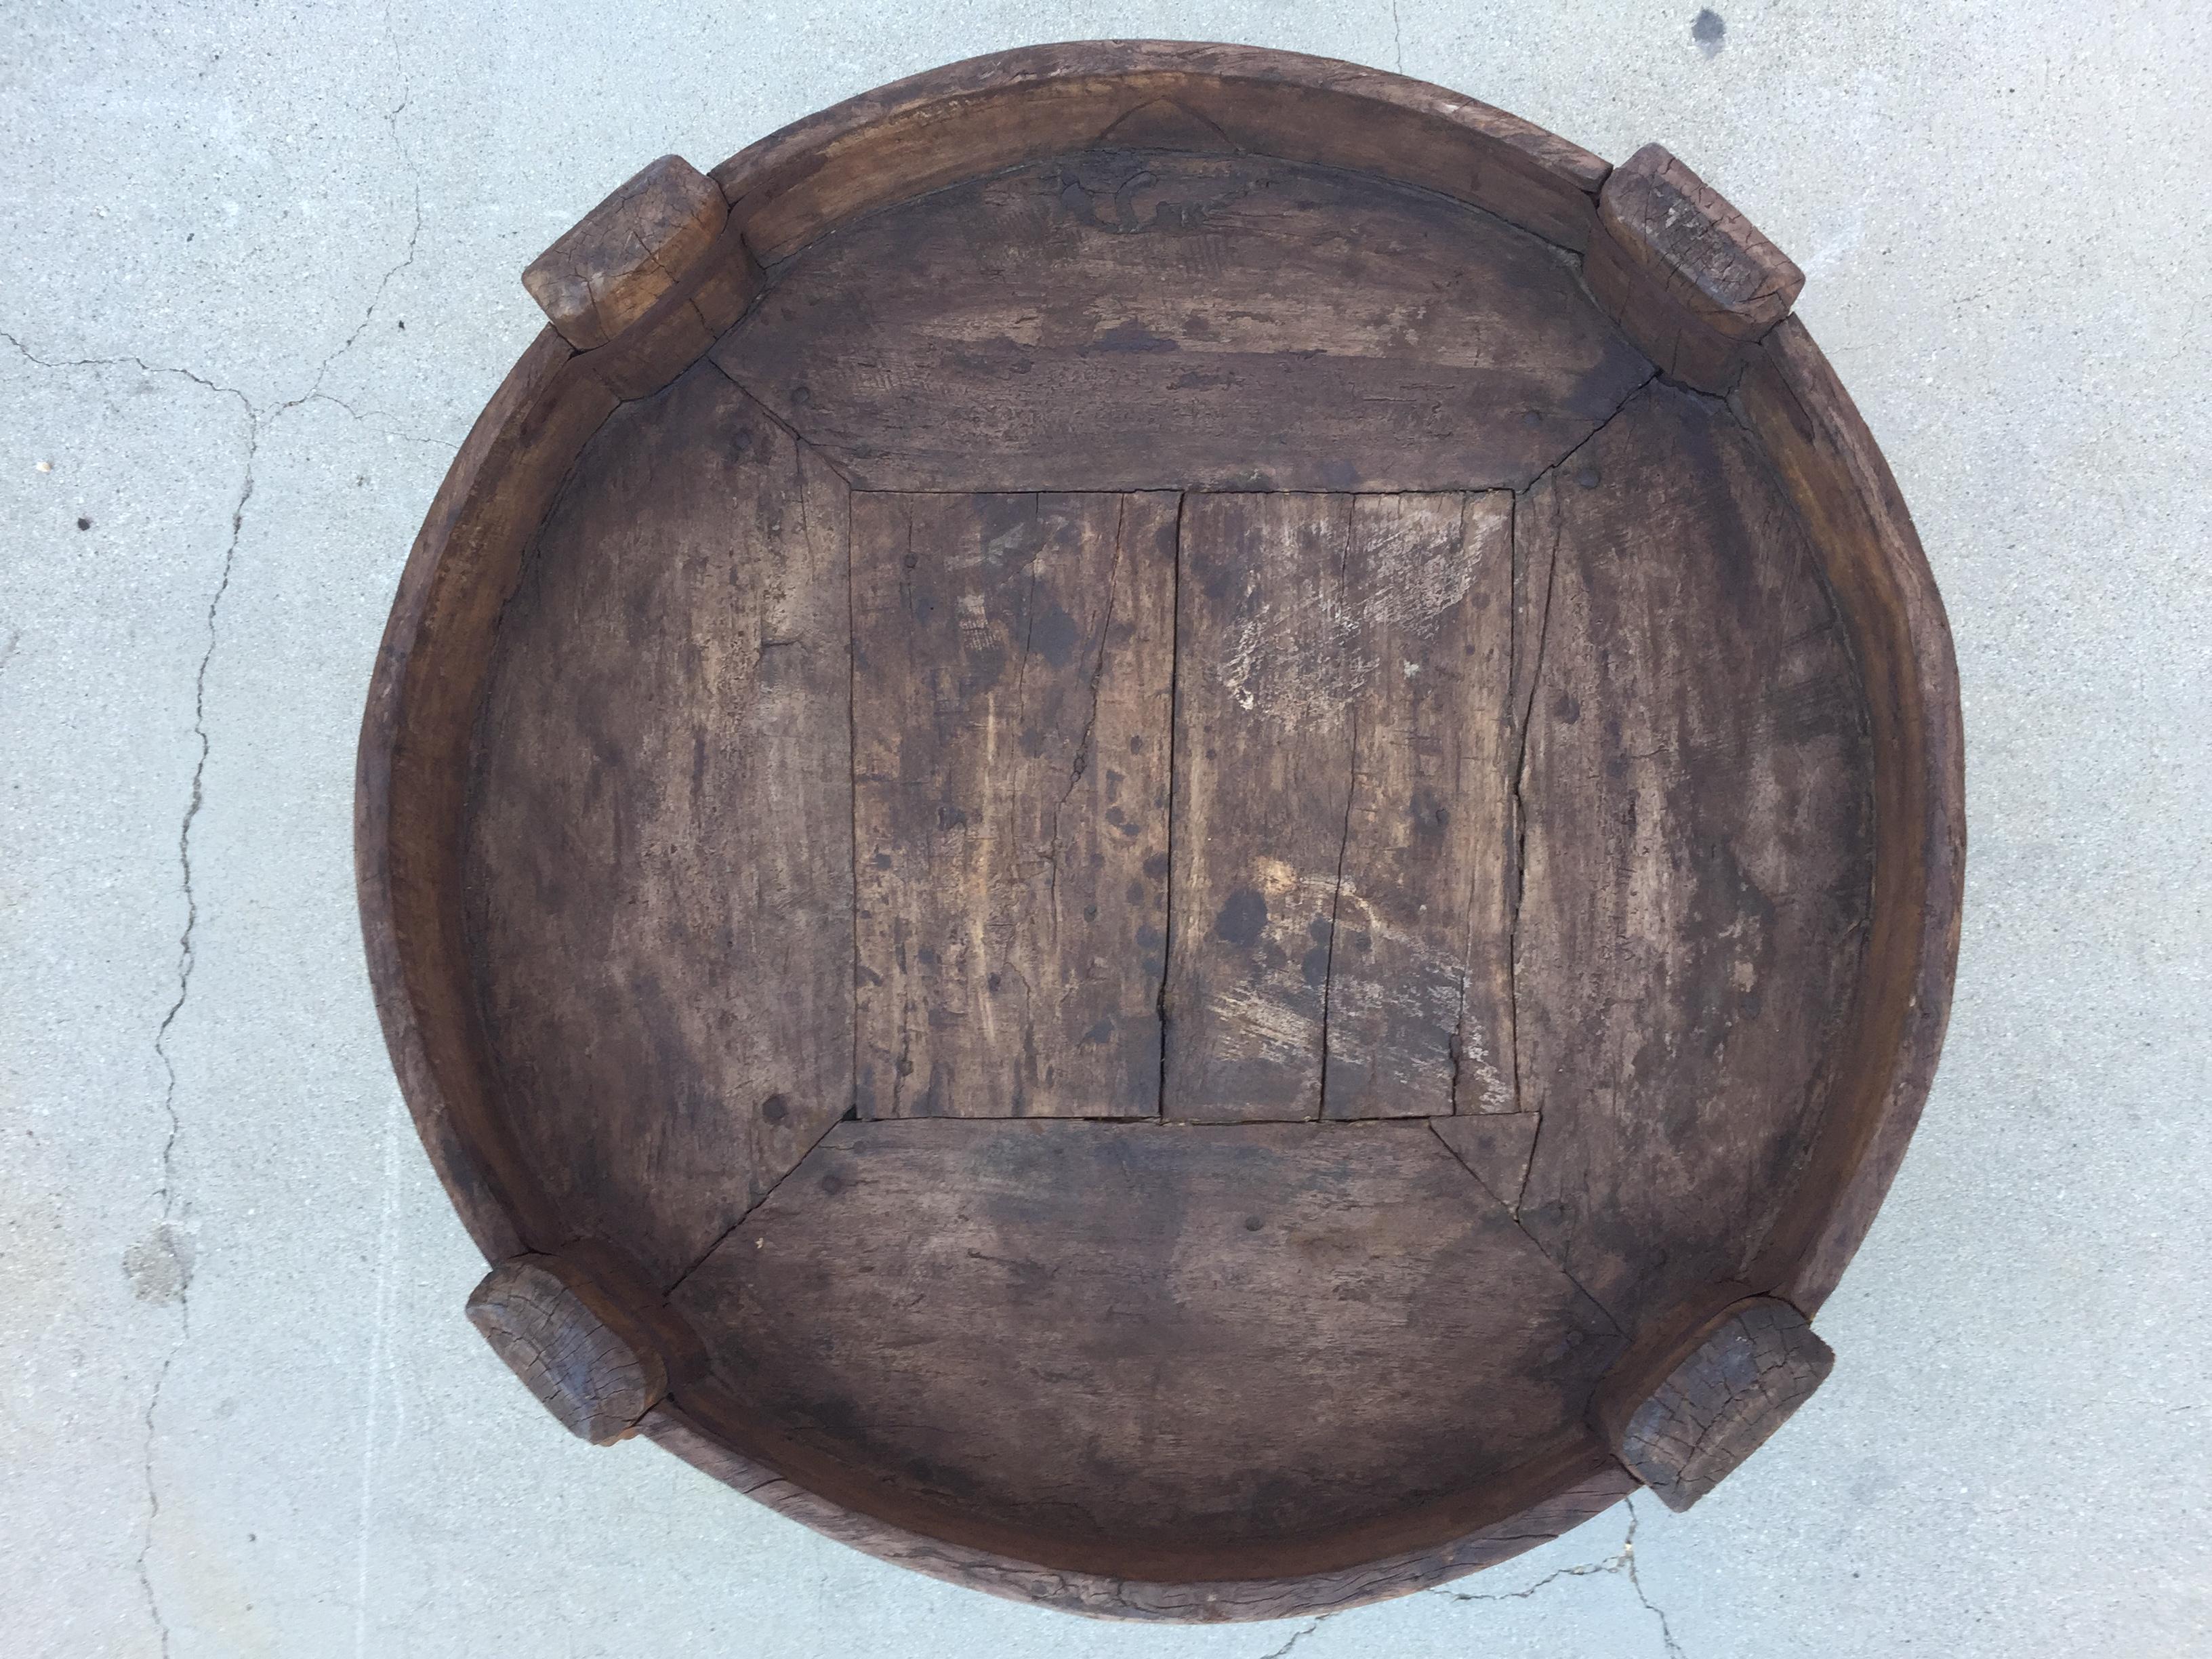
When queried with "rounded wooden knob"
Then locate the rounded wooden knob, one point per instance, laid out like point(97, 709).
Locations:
point(570, 1344)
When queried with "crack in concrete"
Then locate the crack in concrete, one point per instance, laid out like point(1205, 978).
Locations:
point(258, 423)
point(1621, 1562)
point(1299, 1636)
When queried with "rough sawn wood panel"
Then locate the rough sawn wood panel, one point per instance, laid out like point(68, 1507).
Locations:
point(1135, 320)
point(1011, 686)
point(1698, 835)
point(659, 849)
point(1152, 1334)
point(1342, 806)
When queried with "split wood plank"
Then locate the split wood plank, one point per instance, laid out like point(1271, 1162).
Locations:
point(1147, 1334)
point(658, 853)
point(1011, 692)
point(1699, 852)
point(1136, 320)
point(1342, 798)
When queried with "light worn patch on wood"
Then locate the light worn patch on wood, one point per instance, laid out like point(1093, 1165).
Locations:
point(658, 852)
point(1011, 690)
point(1420, 974)
point(1724, 1401)
point(1130, 320)
point(1698, 843)
point(1151, 1333)
point(1342, 808)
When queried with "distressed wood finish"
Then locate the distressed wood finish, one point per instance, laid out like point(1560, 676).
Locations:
point(574, 1348)
point(1744, 1376)
point(1697, 827)
point(1537, 840)
point(659, 857)
point(1132, 1334)
point(1012, 686)
point(607, 271)
point(1691, 281)
point(1112, 320)
point(1342, 802)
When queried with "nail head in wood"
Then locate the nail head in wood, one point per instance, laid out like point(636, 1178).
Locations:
point(1688, 278)
point(1719, 1404)
point(608, 269)
point(570, 1346)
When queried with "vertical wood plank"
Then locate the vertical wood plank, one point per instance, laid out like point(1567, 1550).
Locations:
point(1420, 980)
point(1012, 678)
point(1265, 730)
point(1343, 801)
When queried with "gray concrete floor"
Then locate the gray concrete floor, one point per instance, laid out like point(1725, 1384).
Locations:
point(257, 274)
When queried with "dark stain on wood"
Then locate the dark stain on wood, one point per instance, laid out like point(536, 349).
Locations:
point(1010, 711)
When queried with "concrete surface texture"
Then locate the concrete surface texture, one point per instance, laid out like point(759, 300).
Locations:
point(260, 272)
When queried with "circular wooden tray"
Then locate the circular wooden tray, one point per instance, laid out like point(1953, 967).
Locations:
point(1174, 828)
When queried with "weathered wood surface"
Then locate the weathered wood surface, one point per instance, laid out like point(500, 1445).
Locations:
point(1689, 279)
point(1013, 680)
point(1496, 1147)
point(1744, 1377)
point(577, 1351)
point(659, 848)
point(606, 270)
point(1131, 320)
point(1342, 798)
point(411, 774)
point(1187, 1584)
point(1700, 719)
point(1151, 1333)
point(990, 113)
point(1885, 1060)
point(1696, 819)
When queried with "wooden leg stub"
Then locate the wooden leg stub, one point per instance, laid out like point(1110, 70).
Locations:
point(607, 271)
point(1747, 1371)
point(1688, 278)
point(573, 1347)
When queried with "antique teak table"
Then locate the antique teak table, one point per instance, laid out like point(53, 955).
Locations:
point(1172, 828)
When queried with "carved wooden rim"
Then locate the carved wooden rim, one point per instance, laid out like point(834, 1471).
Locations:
point(976, 117)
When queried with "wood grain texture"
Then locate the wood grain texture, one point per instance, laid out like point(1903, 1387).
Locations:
point(1689, 279)
point(573, 1349)
point(1496, 1147)
point(1342, 796)
point(1011, 692)
point(1696, 815)
point(1701, 723)
point(1745, 1376)
point(1849, 505)
point(1127, 320)
point(993, 113)
point(659, 842)
point(411, 769)
point(1150, 1334)
point(1541, 1501)
point(680, 327)
point(607, 271)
